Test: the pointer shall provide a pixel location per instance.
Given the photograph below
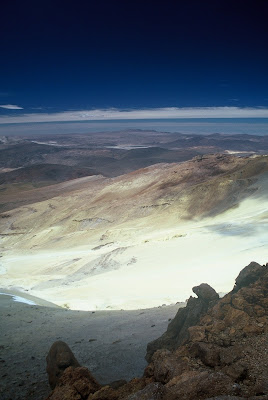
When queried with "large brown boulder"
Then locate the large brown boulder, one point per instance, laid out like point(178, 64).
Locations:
point(75, 384)
point(153, 391)
point(205, 292)
point(227, 398)
point(193, 385)
point(248, 275)
point(177, 331)
point(59, 357)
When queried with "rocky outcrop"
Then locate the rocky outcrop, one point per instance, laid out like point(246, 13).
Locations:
point(248, 275)
point(75, 383)
point(177, 331)
point(227, 351)
point(154, 391)
point(223, 355)
point(58, 359)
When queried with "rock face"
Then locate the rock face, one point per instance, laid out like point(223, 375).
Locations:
point(177, 330)
point(58, 359)
point(223, 354)
point(227, 350)
point(248, 275)
point(75, 383)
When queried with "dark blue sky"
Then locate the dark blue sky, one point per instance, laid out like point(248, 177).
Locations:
point(73, 55)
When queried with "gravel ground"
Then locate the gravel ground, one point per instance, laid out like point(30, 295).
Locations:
point(112, 344)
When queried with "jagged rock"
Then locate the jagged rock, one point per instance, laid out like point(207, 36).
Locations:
point(265, 397)
point(226, 398)
point(205, 292)
point(153, 391)
point(238, 398)
point(248, 275)
point(59, 357)
point(208, 353)
point(166, 365)
point(231, 339)
point(238, 315)
point(75, 384)
point(237, 371)
point(177, 330)
point(105, 393)
point(194, 385)
point(117, 384)
point(134, 386)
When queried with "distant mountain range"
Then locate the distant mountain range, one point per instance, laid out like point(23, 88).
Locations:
point(43, 160)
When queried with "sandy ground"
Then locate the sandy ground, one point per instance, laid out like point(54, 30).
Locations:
point(140, 269)
point(112, 344)
point(139, 240)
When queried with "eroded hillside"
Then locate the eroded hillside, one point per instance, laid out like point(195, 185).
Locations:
point(99, 239)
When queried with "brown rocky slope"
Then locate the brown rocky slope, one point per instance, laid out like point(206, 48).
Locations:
point(222, 354)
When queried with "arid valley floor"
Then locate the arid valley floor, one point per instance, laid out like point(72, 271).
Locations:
point(102, 222)
point(118, 227)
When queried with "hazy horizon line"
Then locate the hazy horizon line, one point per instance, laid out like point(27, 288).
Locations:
point(204, 126)
point(114, 114)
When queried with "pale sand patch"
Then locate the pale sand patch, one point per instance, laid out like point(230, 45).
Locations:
point(165, 264)
point(239, 152)
point(134, 261)
point(3, 170)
